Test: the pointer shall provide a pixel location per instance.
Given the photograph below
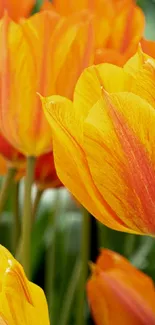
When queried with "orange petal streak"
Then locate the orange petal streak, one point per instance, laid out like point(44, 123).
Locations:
point(142, 313)
point(140, 175)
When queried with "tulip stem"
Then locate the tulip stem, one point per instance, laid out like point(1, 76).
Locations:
point(6, 187)
point(85, 247)
point(16, 215)
point(67, 304)
point(27, 216)
point(38, 197)
point(50, 257)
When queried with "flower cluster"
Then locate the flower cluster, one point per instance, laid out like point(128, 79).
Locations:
point(77, 98)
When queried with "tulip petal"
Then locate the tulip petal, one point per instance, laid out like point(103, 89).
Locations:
point(2, 321)
point(128, 28)
point(81, 51)
point(88, 89)
point(98, 304)
point(14, 72)
point(136, 62)
point(143, 80)
point(44, 47)
point(109, 56)
point(130, 300)
point(119, 293)
point(71, 35)
point(119, 267)
point(69, 8)
point(38, 32)
point(16, 9)
point(112, 302)
point(121, 157)
point(70, 161)
point(16, 291)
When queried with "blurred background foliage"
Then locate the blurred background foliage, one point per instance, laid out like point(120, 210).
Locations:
point(148, 7)
point(56, 235)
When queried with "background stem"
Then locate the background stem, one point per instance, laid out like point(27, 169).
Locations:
point(38, 196)
point(85, 248)
point(6, 187)
point(50, 259)
point(27, 215)
point(16, 216)
point(69, 296)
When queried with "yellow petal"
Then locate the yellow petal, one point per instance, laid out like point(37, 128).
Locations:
point(136, 62)
point(119, 136)
point(144, 82)
point(37, 55)
point(15, 104)
point(71, 163)
point(80, 56)
point(21, 302)
point(142, 69)
point(88, 89)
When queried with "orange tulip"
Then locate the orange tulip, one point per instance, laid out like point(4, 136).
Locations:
point(120, 294)
point(104, 143)
point(21, 301)
point(16, 9)
point(37, 56)
point(45, 173)
point(118, 26)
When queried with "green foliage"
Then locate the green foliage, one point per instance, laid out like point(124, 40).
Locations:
point(149, 10)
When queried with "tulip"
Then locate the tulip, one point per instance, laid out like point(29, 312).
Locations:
point(118, 26)
point(21, 301)
point(118, 293)
point(16, 9)
point(104, 143)
point(45, 173)
point(36, 57)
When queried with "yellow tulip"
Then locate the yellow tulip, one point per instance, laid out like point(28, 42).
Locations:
point(104, 143)
point(21, 301)
point(37, 56)
point(120, 294)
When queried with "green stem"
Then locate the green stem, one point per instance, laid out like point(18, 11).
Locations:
point(34, 211)
point(66, 308)
point(16, 216)
point(50, 259)
point(27, 216)
point(36, 203)
point(129, 244)
point(85, 246)
point(6, 187)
